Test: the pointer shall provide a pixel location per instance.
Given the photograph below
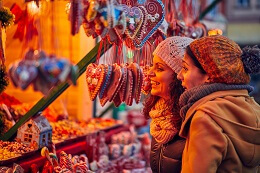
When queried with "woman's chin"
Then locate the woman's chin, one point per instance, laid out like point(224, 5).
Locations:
point(154, 93)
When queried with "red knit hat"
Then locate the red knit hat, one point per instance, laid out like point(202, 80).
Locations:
point(220, 57)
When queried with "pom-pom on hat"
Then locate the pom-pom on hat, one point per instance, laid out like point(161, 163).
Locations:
point(171, 51)
point(223, 61)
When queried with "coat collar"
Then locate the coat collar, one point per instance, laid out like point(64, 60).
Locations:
point(189, 115)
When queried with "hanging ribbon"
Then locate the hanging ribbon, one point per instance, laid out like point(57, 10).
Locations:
point(171, 13)
point(25, 24)
point(99, 51)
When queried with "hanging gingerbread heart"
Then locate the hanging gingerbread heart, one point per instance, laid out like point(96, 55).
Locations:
point(89, 28)
point(118, 99)
point(115, 82)
point(104, 99)
point(129, 88)
point(146, 86)
point(109, 71)
point(75, 16)
point(134, 20)
point(95, 77)
point(139, 83)
point(151, 14)
point(122, 91)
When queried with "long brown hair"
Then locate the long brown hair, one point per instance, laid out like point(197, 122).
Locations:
point(176, 90)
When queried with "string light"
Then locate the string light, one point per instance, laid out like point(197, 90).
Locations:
point(33, 8)
point(67, 8)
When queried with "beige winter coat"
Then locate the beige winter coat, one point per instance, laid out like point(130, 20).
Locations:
point(223, 134)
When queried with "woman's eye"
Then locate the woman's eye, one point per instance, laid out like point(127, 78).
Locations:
point(184, 68)
point(159, 69)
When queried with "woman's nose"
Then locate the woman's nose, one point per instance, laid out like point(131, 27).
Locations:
point(179, 75)
point(151, 72)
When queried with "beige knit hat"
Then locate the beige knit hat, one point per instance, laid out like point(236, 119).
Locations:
point(171, 51)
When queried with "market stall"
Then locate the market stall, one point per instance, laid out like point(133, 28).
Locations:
point(114, 73)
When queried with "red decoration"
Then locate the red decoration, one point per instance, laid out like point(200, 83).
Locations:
point(25, 24)
point(143, 19)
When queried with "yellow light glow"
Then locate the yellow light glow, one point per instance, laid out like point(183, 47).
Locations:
point(215, 32)
point(33, 8)
point(67, 8)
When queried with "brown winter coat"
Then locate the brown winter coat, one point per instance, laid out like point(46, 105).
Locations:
point(223, 134)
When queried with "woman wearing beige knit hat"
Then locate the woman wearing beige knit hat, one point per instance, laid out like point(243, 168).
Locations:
point(162, 105)
point(221, 121)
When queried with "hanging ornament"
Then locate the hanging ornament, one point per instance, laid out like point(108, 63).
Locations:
point(75, 15)
point(42, 71)
point(95, 75)
point(143, 18)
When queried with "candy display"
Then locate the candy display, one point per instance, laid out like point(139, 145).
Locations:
point(124, 153)
point(14, 150)
point(66, 163)
point(68, 129)
point(15, 168)
point(10, 150)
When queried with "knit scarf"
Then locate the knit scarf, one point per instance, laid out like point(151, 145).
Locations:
point(164, 125)
point(189, 97)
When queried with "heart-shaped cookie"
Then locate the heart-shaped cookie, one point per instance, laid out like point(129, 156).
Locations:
point(134, 20)
point(121, 89)
point(122, 92)
point(104, 99)
point(134, 68)
point(139, 84)
point(117, 101)
point(109, 70)
point(129, 88)
point(153, 16)
point(95, 77)
point(146, 86)
point(115, 82)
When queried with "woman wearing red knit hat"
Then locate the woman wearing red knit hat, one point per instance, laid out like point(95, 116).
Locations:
point(221, 121)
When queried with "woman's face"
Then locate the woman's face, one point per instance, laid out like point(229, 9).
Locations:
point(190, 75)
point(161, 77)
